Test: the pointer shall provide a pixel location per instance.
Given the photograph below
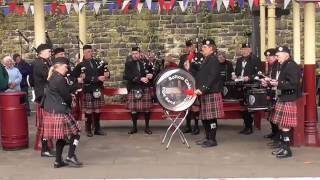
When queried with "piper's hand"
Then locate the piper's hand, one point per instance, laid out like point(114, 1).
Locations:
point(198, 92)
point(144, 80)
point(149, 76)
point(102, 78)
point(274, 83)
point(233, 77)
point(267, 79)
point(246, 78)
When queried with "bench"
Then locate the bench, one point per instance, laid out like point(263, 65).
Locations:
point(119, 111)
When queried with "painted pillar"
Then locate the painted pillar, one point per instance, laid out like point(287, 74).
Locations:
point(272, 25)
point(309, 74)
point(296, 32)
point(39, 25)
point(82, 30)
point(262, 29)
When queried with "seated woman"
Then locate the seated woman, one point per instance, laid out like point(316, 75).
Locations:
point(14, 74)
point(58, 121)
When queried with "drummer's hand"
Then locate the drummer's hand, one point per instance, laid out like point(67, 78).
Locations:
point(80, 80)
point(102, 78)
point(246, 78)
point(149, 76)
point(274, 83)
point(144, 80)
point(198, 92)
point(264, 83)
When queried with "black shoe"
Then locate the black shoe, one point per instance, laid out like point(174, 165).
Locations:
point(89, 134)
point(285, 153)
point(73, 161)
point(277, 151)
point(269, 136)
point(195, 131)
point(209, 143)
point(133, 131)
point(147, 131)
point(248, 131)
point(201, 141)
point(60, 164)
point(99, 133)
point(243, 130)
point(187, 130)
point(48, 154)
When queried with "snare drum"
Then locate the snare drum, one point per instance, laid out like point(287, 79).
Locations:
point(257, 99)
point(233, 91)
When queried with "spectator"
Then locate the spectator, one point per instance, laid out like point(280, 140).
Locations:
point(14, 74)
point(25, 70)
point(3, 78)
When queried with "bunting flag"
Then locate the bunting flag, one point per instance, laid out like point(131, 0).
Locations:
point(54, 7)
point(154, 6)
point(139, 7)
point(198, 2)
point(232, 4)
point(112, 6)
point(32, 9)
point(91, 5)
point(68, 7)
point(76, 7)
point(148, 2)
point(26, 6)
point(47, 8)
point(182, 7)
point(125, 4)
point(12, 6)
point(286, 3)
point(250, 4)
point(241, 4)
point(256, 3)
point(96, 7)
point(213, 4)
point(185, 3)
point(166, 5)
point(81, 5)
point(133, 4)
point(5, 11)
point(62, 8)
point(104, 2)
point(219, 3)
point(209, 4)
point(20, 10)
point(226, 3)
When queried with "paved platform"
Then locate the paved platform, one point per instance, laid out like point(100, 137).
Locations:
point(119, 155)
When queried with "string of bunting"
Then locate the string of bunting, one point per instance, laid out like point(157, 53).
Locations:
point(22, 8)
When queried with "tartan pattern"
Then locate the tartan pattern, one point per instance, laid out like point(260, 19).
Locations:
point(76, 108)
point(285, 114)
point(195, 106)
point(91, 104)
point(142, 105)
point(211, 106)
point(39, 116)
point(59, 126)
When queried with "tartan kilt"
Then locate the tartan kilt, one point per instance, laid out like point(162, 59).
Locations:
point(39, 116)
point(285, 114)
point(59, 126)
point(141, 105)
point(91, 104)
point(195, 106)
point(211, 106)
point(76, 108)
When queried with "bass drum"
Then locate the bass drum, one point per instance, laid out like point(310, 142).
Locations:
point(175, 89)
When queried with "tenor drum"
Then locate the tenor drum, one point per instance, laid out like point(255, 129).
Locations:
point(233, 91)
point(174, 89)
point(258, 99)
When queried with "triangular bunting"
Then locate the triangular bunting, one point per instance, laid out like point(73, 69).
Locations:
point(76, 7)
point(186, 3)
point(47, 8)
point(139, 7)
point(182, 7)
point(91, 5)
point(256, 3)
point(54, 7)
point(125, 4)
point(104, 2)
point(226, 3)
point(62, 8)
point(12, 6)
point(209, 3)
point(241, 4)
point(198, 2)
point(96, 7)
point(112, 6)
point(219, 3)
point(32, 9)
point(81, 4)
point(20, 10)
point(26, 6)
point(148, 2)
point(68, 7)
point(250, 4)
point(232, 4)
point(154, 6)
point(5, 11)
point(286, 3)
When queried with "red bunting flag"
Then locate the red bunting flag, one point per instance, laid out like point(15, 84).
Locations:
point(125, 9)
point(256, 3)
point(232, 4)
point(166, 5)
point(12, 6)
point(213, 3)
point(54, 7)
point(20, 10)
point(62, 8)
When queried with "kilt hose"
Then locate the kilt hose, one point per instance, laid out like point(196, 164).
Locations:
point(211, 106)
point(91, 104)
point(285, 114)
point(59, 126)
point(140, 105)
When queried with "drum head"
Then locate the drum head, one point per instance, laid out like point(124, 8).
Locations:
point(174, 89)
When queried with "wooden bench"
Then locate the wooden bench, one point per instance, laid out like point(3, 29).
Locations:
point(119, 111)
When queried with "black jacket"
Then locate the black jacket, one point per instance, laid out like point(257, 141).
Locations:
point(251, 69)
point(57, 98)
point(195, 64)
point(93, 69)
point(133, 75)
point(208, 78)
point(227, 70)
point(25, 70)
point(289, 85)
point(40, 69)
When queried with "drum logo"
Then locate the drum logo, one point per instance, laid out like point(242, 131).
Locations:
point(252, 99)
point(171, 93)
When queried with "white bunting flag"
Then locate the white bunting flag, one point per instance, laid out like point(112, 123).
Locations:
point(219, 3)
point(32, 9)
point(139, 7)
point(183, 9)
point(81, 5)
point(26, 6)
point(76, 7)
point(124, 4)
point(226, 3)
point(149, 4)
point(250, 4)
point(198, 2)
point(68, 7)
point(286, 3)
point(96, 6)
point(104, 2)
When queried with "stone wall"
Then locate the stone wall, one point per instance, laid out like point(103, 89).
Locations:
point(113, 35)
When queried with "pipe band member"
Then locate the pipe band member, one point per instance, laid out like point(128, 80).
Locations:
point(191, 62)
point(58, 122)
point(273, 74)
point(92, 85)
point(40, 69)
point(247, 67)
point(209, 86)
point(288, 90)
point(139, 78)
